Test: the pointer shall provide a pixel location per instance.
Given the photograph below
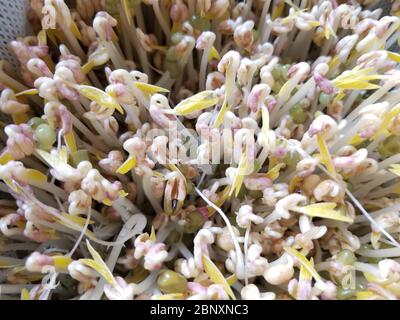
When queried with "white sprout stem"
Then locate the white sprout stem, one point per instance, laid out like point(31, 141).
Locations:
point(370, 100)
point(264, 13)
point(266, 29)
point(363, 177)
point(92, 76)
point(178, 82)
point(245, 245)
point(191, 4)
point(328, 44)
point(100, 129)
point(382, 40)
point(365, 238)
point(94, 150)
point(142, 100)
point(117, 47)
point(133, 37)
point(14, 288)
point(147, 283)
point(301, 45)
point(126, 44)
point(392, 40)
point(346, 135)
point(163, 233)
point(49, 286)
point(238, 286)
point(381, 192)
point(19, 246)
point(218, 35)
point(7, 203)
point(99, 217)
point(131, 115)
point(82, 234)
point(185, 251)
point(239, 254)
point(10, 260)
point(139, 192)
point(388, 162)
point(380, 253)
point(374, 144)
point(114, 55)
point(78, 108)
point(139, 17)
point(87, 133)
point(226, 47)
point(56, 226)
point(164, 80)
point(191, 72)
point(113, 137)
point(392, 97)
point(34, 164)
point(71, 227)
point(172, 252)
point(13, 84)
point(5, 297)
point(155, 203)
point(247, 9)
point(368, 216)
point(294, 99)
point(203, 67)
point(350, 101)
point(280, 43)
point(378, 180)
point(303, 4)
point(128, 205)
point(16, 86)
point(164, 8)
point(71, 40)
point(136, 222)
point(163, 24)
point(271, 218)
point(291, 84)
point(51, 188)
point(4, 188)
point(125, 25)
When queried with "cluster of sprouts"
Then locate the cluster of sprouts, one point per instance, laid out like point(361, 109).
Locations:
point(202, 149)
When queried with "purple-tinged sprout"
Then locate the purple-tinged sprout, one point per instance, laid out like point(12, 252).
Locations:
point(179, 12)
point(25, 50)
point(154, 253)
point(227, 27)
point(257, 97)
point(20, 141)
point(103, 24)
point(39, 68)
point(243, 35)
point(148, 42)
point(204, 42)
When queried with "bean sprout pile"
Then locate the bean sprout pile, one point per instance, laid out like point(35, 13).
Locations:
point(202, 150)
